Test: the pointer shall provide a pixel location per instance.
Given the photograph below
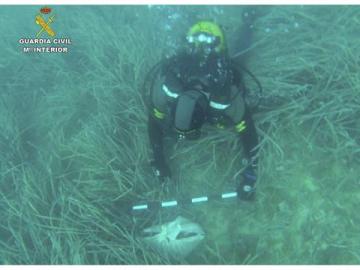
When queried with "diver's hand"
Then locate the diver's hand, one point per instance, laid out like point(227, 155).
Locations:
point(246, 189)
point(161, 170)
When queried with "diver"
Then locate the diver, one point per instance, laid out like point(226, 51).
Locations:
point(201, 84)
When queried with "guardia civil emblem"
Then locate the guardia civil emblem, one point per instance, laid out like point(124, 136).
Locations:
point(45, 21)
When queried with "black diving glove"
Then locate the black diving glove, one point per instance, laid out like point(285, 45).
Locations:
point(246, 189)
point(161, 170)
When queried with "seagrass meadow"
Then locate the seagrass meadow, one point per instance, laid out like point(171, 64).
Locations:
point(74, 148)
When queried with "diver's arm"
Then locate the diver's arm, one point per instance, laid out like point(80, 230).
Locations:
point(156, 124)
point(249, 138)
point(244, 125)
point(245, 128)
point(156, 135)
point(156, 138)
point(164, 91)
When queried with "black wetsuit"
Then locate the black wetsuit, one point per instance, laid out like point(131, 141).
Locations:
point(221, 80)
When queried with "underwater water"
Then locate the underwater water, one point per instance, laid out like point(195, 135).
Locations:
point(74, 151)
